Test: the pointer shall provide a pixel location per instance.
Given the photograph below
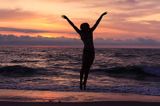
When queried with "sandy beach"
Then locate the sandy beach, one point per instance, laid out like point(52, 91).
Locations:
point(52, 98)
point(108, 103)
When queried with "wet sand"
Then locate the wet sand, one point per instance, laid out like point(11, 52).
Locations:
point(53, 98)
point(107, 103)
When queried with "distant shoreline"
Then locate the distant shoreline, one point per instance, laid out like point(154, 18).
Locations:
point(74, 46)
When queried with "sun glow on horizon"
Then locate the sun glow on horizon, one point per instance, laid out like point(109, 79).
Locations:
point(125, 19)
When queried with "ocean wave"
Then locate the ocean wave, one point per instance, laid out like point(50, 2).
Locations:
point(119, 71)
point(23, 61)
point(24, 71)
point(130, 71)
point(17, 71)
point(122, 55)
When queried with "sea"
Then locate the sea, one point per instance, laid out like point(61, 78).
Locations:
point(115, 70)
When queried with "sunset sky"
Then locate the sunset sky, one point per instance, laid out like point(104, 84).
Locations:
point(126, 19)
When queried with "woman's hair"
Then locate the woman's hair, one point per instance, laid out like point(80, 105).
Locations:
point(84, 26)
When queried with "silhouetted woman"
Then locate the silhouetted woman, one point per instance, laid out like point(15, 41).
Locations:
point(86, 34)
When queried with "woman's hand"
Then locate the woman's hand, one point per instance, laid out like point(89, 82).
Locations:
point(64, 16)
point(104, 13)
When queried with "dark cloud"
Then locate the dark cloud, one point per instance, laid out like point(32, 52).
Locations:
point(26, 40)
point(21, 30)
point(129, 42)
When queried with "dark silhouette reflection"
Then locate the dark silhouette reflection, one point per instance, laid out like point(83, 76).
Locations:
point(86, 34)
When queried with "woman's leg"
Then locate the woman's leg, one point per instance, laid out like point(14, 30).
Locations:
point(87, 61)
point(87, 69)
point(81, 78)
point(82, 70)
point(85, 78)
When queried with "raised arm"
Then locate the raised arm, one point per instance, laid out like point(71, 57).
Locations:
point(97, 22)
point(71, 23)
